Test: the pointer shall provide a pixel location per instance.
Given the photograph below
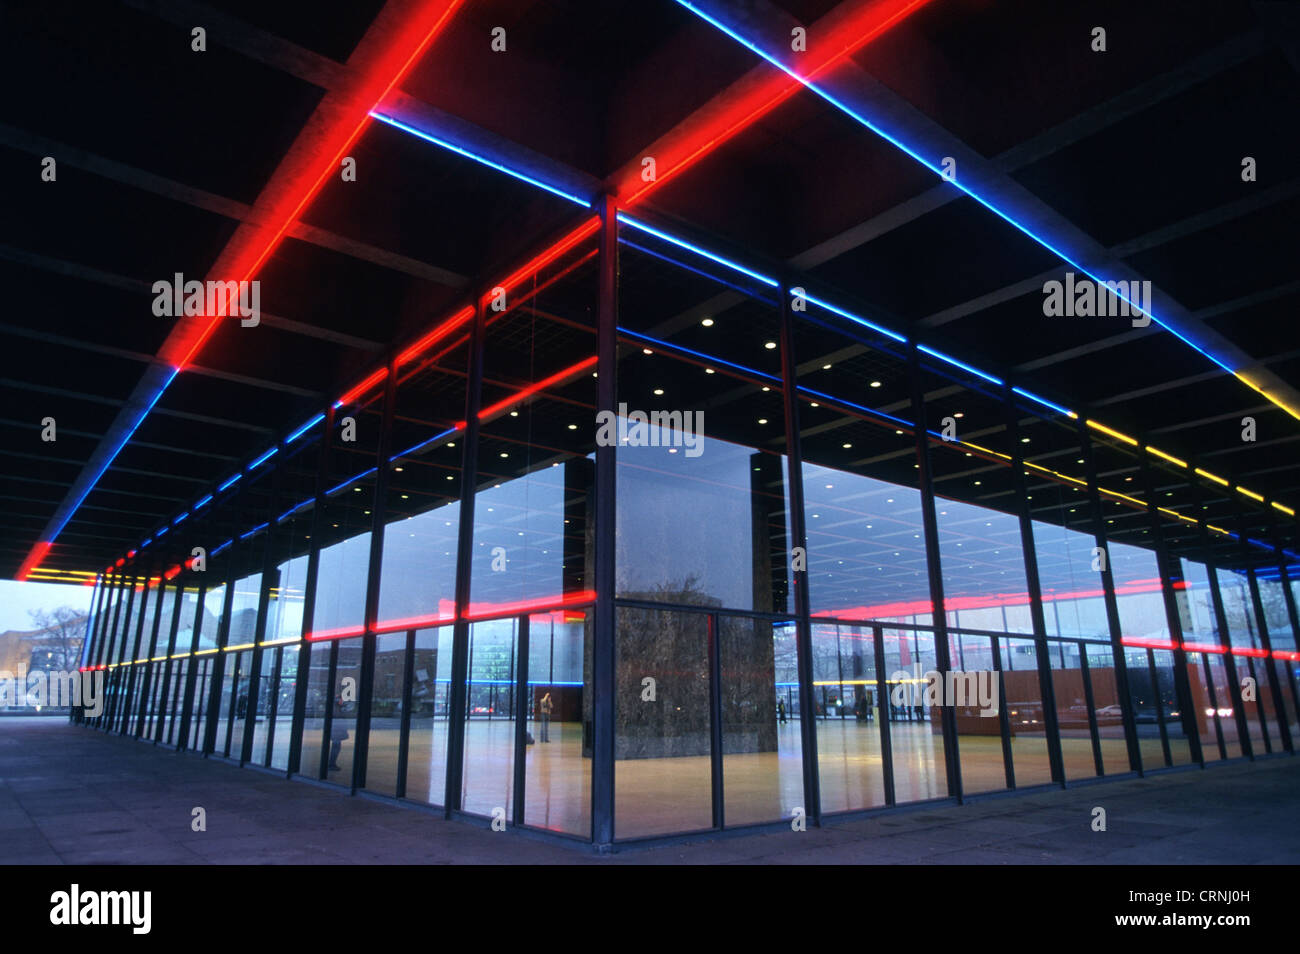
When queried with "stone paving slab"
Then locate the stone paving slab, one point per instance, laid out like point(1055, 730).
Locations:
point(71, 795)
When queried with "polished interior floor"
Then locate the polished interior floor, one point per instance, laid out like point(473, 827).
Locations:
point(669, 795)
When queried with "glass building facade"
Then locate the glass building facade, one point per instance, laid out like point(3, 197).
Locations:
point(643, 542)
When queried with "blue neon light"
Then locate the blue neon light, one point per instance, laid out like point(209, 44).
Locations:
point(398, 124)
point(1043, 401)
point(292, 510)
point(146, 543)
point(681, 243)
point(862, 120)
point(410, 451)
point(248, 533)
point(747, 292)
point(351, 480)
point(202, 503)
point(857, 407)
point(159, 533)
point(965, 367)
point(113, 456)
point(229, 483)
point(719, 362)
point(304, 429)
point(180, 518)
point(852, 317)
point(222, 548)
point(264, 458)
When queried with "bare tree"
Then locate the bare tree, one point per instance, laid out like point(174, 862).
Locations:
point(64, 628)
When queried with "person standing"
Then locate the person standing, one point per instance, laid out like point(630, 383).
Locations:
point(545, 708)
point(338, 733)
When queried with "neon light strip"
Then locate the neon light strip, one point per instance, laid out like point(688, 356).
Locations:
point(411, 451)
point(351, 480)
point(230, 483)
point(203, 502)
point(577, 200)
point(682, 243)
point(1043, 401)
point(857, 407)
point(709, 359)
point(1169, 457)
point(879, 329)
point(264, 458)
point(953, 361)
point(304, 429)
point(556, 378)
point(1110, 432)
point(1209, 476)
point(863, 121)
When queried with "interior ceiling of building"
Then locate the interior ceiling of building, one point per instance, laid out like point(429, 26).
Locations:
point(1133, 155)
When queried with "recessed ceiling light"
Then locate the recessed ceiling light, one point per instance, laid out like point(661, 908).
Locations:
point(504, 454)
point(762, 420)
point(770, 345)
point(959, 414)
point(646, 351)
point(707, 322)
point(398, 469)
point(659, 392)
point(708, 370)
point(846, 446)
point(573, 427)
point(826, 367)
point(875, 384)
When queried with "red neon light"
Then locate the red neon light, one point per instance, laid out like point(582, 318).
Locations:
point(1146, 643)
point(448, 326)
point(1248, 651)
point(446, 614)
point(544, 258)
point(33, 559)
point(335, 633)
point(364, 386)
point(174, 572)
point(300, 178)
point(1288, 654)
point(1205, 648)
point(479, 611)
point(682, 148)
point(120, 561)
point(556, 378)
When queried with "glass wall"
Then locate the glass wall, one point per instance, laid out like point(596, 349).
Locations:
point(1090, 610)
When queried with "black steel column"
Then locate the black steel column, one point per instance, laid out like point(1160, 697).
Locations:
point(1167, 569)
point(1112, 605)
point(223, 633)
point(122, 717)
point(404, 736)
point(883, 705)
point(799, 542)
point(268, 578)
point(1261, 620)
point(299, 716)
point(605, 622)
point(458, 694)
point(934, 567)
point(374, 568)
point(1034, 586)
point(521, 708)
point(146, 682)
point(191, 670)
point(1284, 577)
point(161, 715)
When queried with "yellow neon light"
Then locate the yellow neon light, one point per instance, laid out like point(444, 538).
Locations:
point(1249, 493)
point(1214, 477)
point(1169, 457)
point(1113, 433)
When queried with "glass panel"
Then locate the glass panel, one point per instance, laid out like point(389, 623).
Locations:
point(1022, 691)
point(849, 754)
point(426, 764)
point(762, 764)
point(979, 728)
point(384, 743)
point(662, 769)
point(1070, 686)
point(915, 731)
point(343, 700)
point(558, 782)
point(488, 780)
point(1106, 703)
